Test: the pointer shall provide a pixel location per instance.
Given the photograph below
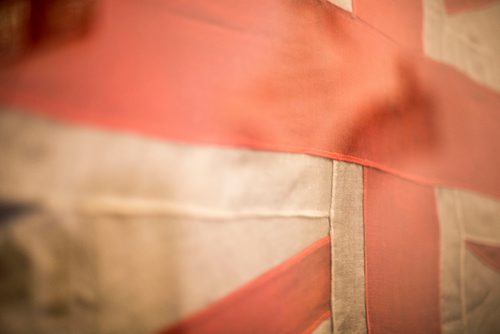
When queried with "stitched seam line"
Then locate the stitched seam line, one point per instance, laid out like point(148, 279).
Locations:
point(482, 240)
point(458, 213)
point(317, 322)
point(121, 206)
point(332, 240)
point(365, 187)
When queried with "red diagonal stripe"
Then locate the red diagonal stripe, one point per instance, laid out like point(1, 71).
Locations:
point(488, 254)
point(290, 298)
point(401, 21)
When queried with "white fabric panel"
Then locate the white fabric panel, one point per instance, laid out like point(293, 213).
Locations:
point(470, 298)
point(466, 40)
point(344, 4)
point(324, 328)
point(123, 234)
point(51, 160)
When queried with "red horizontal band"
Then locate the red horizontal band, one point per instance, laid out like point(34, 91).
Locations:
point(297, 76)
point(289, 298)
point(489, 255)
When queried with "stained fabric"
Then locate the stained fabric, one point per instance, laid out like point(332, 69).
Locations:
point(266, 166)
point(90, 230)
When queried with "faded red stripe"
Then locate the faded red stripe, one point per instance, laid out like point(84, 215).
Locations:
point(293, 297)
point(297, 76)
point(489, 255)
point(402, 256)
point(456, 6)
point(401, 21)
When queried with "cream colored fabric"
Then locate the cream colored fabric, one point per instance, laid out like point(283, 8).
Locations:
point(129, 234)
point(46, 159)
point(47, 283)
point(347, 233)
point(466, 40)
point(175, 267)
point(452, 251)
point(470, 300)
point(133, 274)
point(483, 296)
point(324, 328)
point(480, 216)
point(344, 4)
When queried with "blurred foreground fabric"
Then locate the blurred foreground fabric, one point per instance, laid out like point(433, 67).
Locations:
point(266, 166)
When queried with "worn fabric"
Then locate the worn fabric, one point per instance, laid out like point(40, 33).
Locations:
point(467, 40)
point(118, 232)
point(287, 166)
point(469, 281)
point(348, 245)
